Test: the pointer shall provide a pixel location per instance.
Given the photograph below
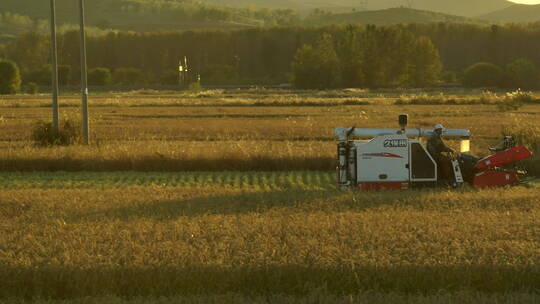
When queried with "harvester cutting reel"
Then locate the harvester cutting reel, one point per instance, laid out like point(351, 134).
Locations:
point(374, 159)
point(502, 148)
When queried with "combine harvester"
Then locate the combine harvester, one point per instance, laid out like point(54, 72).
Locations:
point(396, 159)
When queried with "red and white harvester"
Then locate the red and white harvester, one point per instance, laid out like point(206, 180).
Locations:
point(396, 159)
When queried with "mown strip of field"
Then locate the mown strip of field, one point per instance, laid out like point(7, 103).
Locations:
point(237, 180)
point(252, 180)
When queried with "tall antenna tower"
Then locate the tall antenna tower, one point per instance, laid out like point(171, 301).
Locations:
point(363, 5)
point(409, 3)
point(183, 71)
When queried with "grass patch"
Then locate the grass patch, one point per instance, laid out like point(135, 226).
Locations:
point(509, 101)
point(68, 133)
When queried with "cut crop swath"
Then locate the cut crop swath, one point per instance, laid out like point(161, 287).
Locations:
point(239, 180)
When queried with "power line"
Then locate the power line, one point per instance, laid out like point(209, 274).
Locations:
point(84, 80)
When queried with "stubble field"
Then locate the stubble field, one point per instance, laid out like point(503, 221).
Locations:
point(223, 197)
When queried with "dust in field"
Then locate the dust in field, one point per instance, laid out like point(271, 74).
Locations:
point(189, 241)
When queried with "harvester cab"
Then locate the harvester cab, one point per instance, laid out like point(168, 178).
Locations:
point(377, 159)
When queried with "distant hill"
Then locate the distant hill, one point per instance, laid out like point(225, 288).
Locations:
point(467, 8)
point(300, 5)
point(386, 17)
point(144, 15)
point(155, 15)
point(515, 13)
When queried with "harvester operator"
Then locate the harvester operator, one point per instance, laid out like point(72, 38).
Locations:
point(436, 147)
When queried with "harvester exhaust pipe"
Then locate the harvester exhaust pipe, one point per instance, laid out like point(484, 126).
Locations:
point(343, 180)
point(351, 165)
point(403, 121)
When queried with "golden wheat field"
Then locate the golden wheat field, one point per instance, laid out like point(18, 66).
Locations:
point(239, 130)
point(230, 197)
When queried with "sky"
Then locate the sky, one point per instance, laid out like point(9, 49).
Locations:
point(526, 1)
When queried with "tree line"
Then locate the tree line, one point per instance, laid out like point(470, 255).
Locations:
point(375, 57)
point(363, 56)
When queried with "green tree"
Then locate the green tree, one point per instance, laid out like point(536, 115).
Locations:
point(401, 56)
point(449, 77)
point(41, 76)
point(372, 65)
point(128, 76)
point(30, 50)
point(169, 77)
point(351, 59)
point(426, 66)
point(317, 67)
point(10, 78)
point(482, 74)
point(384, 52)
point(521, 73)
point(32, 88)
point(64, 72)
point(220, 74)
point(99, 77)
point(304, 67)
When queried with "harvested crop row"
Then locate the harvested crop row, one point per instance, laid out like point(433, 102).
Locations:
point(237, 180)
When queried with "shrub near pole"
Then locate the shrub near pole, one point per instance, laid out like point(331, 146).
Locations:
point(10, 77)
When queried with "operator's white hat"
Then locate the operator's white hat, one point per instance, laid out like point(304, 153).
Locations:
point(439, 126)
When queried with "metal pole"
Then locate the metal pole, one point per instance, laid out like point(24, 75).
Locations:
point(84, 81)
point(54, 67)
point(180, 73)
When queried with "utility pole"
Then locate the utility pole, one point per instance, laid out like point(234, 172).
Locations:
point(54, 68)
point(186, 72)
point(237, 65)
point(84, 81)
point(180, 73)
point(183, 72)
